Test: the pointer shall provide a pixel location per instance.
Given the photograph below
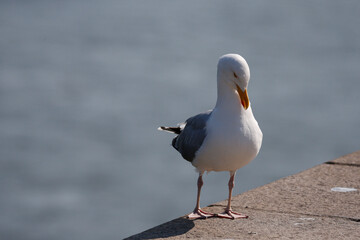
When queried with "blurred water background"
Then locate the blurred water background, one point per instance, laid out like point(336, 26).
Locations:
point(85, 84)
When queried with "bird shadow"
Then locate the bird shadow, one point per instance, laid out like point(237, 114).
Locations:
point(175, 227)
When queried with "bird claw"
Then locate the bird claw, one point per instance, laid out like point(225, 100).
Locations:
point(230, 214)
point(199, 214)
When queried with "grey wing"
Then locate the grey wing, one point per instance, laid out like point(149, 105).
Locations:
point(192, 136)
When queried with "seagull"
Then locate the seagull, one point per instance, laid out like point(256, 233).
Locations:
point(225, 138)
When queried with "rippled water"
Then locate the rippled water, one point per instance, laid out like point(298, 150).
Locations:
point(85, 84)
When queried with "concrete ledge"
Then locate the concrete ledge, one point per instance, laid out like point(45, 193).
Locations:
point(301, 206)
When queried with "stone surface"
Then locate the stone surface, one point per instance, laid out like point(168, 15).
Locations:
point(260, 225)
point(301, 206)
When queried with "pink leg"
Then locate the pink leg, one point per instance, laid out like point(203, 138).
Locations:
point(198, 213)
point(230, 214)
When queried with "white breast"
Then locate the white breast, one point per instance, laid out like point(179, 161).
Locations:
point(232, 141)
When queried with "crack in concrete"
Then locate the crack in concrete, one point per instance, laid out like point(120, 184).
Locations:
point(309, 214)
point(355, 219)
point(343, 164)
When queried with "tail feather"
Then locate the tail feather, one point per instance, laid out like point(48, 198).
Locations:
point(176, 130)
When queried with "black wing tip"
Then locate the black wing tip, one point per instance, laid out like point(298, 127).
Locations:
point(176, 130)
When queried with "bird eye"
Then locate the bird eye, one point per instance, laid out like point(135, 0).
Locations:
point(235, 75)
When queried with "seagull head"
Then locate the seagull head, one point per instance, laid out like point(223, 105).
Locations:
point(234, 70)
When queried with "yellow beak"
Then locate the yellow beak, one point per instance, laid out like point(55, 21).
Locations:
point(244, 98)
